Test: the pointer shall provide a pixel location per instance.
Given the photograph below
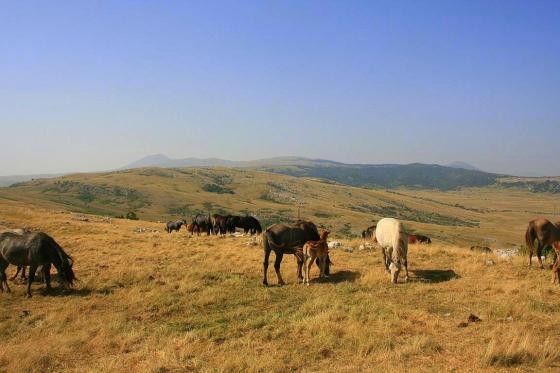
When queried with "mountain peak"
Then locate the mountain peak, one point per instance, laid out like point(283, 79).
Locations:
point(463, 165)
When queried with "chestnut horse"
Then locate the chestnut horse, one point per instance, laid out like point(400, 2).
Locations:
point(545, 233)
point(313, 250)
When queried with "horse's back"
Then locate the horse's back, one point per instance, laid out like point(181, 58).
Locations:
point(388, 231)
point(21, 249)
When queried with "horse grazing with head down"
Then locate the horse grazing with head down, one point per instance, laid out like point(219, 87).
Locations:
point(284, 239)
point(175, 225)
point(34, 250)
point(545, 233)
point(393, 240)
point(315, 250)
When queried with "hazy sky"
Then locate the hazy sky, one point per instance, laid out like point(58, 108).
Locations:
point(94, 85)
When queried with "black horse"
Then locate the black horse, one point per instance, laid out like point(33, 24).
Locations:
point(203, 223)
point(283, 239)
point(175, 225)
point(34, 250)
point(250, 225)
point(369, 233)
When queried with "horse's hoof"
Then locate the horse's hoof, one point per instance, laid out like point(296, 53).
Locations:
point(307, 283)
point(28, 295)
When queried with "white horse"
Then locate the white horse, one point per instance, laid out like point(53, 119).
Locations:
point(393, 240)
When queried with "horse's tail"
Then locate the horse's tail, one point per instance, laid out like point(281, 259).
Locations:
point(66, 263)
point(530, 238)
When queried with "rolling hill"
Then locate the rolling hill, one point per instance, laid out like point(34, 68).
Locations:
point(472, 215)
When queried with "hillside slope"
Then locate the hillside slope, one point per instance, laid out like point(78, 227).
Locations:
point(479, 215)
point(158, 302)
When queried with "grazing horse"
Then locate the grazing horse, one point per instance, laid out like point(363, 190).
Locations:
point(231, 223)
point(283, 239)
point(556, 264)
point(545, 233)
point(369, 233)
point(175, 225)
point(191, 228)
point(33, 250)
point(249, 224)
point(219, 224)
point(423, 239)
point(311, 251)
point(393, 239)
point(202, 223)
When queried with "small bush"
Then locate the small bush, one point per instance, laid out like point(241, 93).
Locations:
point(215, 188)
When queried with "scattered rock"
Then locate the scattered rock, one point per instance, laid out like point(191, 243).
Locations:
point(481, 249)
point(366, 246)
point(447, 314)
point(463, 325)
point(24, 313)
point(334, 244)
point(490, 262)
point(80, 217)
point(145, 230)
point(509, 318)
point(348, 249)
point(507, 253)
point(252, 242)
point(473, 318)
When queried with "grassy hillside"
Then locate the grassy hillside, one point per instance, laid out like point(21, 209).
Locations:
point(158, 302)
point(490, 216)
point(418, 176)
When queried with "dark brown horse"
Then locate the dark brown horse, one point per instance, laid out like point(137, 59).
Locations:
point(34, 250)
point(284, 239)
point(219, 224)
point(545, 233)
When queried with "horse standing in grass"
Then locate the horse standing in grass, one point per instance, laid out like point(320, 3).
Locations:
point(34, 250)
point(545, 233)
point(393, 240)
point(175, 225)
point(313, 250)
point(284, 239)
point(202, 223)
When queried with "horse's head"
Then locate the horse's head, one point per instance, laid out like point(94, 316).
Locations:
point(324, 234)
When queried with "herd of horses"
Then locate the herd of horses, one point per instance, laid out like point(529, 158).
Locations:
point(302, 239)
point(216, 224)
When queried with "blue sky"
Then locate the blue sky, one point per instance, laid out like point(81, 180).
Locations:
point(94, 85)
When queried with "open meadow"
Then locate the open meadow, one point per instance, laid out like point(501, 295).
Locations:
point(149, 301)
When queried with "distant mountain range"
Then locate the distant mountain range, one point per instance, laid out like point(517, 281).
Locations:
point(160, 160)
point(416, 175)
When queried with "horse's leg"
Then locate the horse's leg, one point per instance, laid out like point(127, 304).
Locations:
point(265, 265)
point(18, 270)
point(308, 265)
point(405, 263)
point(30, 279)
point(277, 262)
point(3, 278)
point(539, 254)
point(324, 265)
point(300, 266)
point(385, 260)
point(47, 275)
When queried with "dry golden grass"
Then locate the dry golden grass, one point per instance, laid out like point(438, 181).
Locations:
point(158, 302)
